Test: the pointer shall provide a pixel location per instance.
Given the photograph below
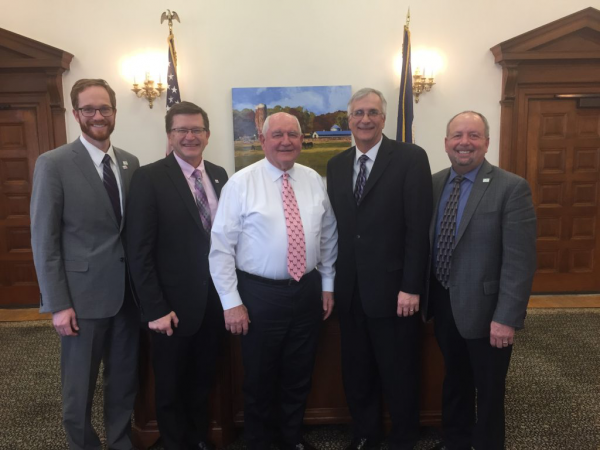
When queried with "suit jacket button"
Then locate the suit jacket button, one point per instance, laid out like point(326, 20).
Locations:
point(121, 259)
point(358, 236)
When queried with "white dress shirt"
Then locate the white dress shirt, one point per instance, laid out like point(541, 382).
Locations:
point(372, 154)
point(249, 231)
point(97, 156)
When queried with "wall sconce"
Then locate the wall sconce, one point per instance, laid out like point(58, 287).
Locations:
point(148, 91)
point(421, 83)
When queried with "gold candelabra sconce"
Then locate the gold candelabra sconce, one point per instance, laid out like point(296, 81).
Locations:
point(148, 91)
point(421, 83)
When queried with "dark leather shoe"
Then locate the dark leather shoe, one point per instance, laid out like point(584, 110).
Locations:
point(363, 444)
point(303, 445)
point(203, 445)
point(439, 446)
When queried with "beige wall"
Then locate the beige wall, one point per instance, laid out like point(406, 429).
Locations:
point(248, 43)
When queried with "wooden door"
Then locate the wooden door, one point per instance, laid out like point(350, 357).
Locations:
point(19, 148)
point(563, 168)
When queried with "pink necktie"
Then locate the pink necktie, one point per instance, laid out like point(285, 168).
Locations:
point(296, 255)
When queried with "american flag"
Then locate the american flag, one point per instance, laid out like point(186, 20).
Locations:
point(173, 94)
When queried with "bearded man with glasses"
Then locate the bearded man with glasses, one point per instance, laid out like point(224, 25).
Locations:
point(170, 213)
point(79, 192)
point(380, 191)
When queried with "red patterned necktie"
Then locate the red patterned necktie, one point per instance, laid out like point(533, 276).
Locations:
point(296, 254)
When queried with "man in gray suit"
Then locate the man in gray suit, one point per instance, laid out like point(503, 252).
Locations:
point(483, 261)
point(77, 203)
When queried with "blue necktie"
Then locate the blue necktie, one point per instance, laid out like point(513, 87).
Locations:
point(110, 184)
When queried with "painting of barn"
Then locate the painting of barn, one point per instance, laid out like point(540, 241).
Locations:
point(321, 111)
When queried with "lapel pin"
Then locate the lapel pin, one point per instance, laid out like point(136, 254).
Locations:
point(216, 181)
point(125, 167)
point(125, 163)
point(486, 180)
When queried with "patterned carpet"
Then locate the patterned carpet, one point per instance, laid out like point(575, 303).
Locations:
point(553, 388)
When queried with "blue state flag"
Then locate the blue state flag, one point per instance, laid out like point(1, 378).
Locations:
point(405, 102)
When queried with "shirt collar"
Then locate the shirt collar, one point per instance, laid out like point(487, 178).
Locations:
point(96, 154)
point(276, 173)
point(372, 153)
point(187, 168)
point(469, 175)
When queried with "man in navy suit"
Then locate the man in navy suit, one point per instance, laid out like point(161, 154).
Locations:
point(172, 204)
point(380, 191)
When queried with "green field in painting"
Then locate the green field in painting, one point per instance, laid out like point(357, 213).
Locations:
point(315, 157)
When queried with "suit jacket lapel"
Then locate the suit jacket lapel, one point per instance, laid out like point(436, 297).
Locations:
point(183, 188)
point(125, 174)
point(346, 175)
point(83, 160)
point(438, 188)
point(479, 188)
point(216, 182)
point(381, 163)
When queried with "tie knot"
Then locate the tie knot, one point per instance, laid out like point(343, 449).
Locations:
point(197, 175)
point(458, 179)
point(363, 159)
point(106, 159)
point(285, 176)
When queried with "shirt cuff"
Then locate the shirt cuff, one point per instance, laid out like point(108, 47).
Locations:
point(231, 300)
point(327, 284)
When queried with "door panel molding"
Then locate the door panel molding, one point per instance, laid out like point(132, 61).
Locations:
point(560, 58)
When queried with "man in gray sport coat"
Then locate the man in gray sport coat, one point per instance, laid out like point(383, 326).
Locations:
point(480, 280)
point(77, 223)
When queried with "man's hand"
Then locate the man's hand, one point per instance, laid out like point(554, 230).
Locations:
point(237, 320)
point(65, 322)
point(163, 325)
point(328, 303)
point(408, 304)
point(501, 335)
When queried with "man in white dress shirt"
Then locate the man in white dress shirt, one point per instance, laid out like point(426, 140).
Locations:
point(274, 243)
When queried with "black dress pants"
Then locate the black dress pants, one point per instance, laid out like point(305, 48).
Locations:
point(475, 374)
point(278, 355)
point(381, 354)
point(184, 368)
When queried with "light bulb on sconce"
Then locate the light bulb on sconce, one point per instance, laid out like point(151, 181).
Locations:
point(426, 63)
point(148, 91)
point(422, 82)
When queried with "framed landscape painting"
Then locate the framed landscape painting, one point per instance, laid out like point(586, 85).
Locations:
point(321, 111)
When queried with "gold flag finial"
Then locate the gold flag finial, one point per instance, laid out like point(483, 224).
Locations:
point(408, 18)
point(167, 15)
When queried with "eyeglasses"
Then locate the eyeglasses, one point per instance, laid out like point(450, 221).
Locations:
point(372, 113)
point(88, 111)
point(184, 131)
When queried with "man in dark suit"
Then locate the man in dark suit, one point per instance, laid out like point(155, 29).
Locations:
point(79, 191)
point(483, 261)
point(172, 205)
point(380, 192)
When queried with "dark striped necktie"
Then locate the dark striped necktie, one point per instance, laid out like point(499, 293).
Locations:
point(361, 179)
point(445, 243)
point(112, 188)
